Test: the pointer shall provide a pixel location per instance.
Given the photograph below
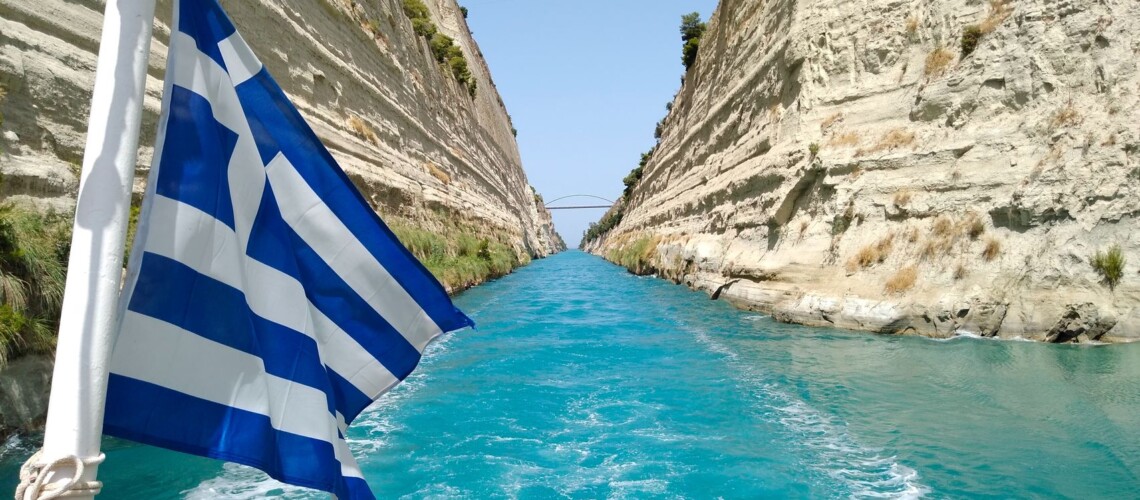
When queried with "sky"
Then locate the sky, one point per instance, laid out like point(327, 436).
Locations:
point(585, 83)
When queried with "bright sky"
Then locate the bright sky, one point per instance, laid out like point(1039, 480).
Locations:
point(586, 82)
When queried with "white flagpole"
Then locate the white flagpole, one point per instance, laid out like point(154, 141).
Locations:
point(86, 330)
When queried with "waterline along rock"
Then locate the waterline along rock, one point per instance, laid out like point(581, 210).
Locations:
point(929, 167)
point(429, 144)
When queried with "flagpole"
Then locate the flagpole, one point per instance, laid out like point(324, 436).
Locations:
point(86, 330)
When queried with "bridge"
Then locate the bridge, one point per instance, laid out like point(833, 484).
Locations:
point(578, 207)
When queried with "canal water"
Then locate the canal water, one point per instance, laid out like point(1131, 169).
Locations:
point(583, 381)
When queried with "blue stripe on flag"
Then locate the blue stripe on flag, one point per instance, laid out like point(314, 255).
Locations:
point(194, 165)
point(218, 431)
point(278, 127)
point(173, 292)
point(207, 24)
point(275, 244)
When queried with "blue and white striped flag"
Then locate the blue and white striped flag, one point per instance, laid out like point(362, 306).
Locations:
point(267, 305)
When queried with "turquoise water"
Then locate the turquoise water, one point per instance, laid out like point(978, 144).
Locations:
point(584, 381)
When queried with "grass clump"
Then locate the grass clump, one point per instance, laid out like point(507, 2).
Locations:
point(638, 256)
point(937, 61)
point(457, 256)
point(33, 268)
point(893, 139)
point(443, 48)
point(902, 280)
point(1067, 116)
point(902, 198)
point(992, 250)
point(362, 130)
point(1110, 265)
point(813, 149)
point(971, 36)
point(846, 139)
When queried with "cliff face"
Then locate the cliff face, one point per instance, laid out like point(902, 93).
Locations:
point(421, 148)
point(848, 163)
point(429, 156)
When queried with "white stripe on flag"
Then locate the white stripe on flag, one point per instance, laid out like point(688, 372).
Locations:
point(271, 294)
point(181, 361)
point(240, 60)
point(306, 213)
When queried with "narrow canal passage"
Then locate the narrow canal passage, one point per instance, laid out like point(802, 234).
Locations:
point(584, 381)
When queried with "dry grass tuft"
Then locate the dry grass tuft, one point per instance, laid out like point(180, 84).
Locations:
point(937, 62)
point(1000, 10)
point(829, 121)
point(902, 198)
point(992, 250)
point(1067, 116)
point(912, 235)
point(912, 26)
point(894, 139)
point(870, 255)
point(864, 258)
point(960, 271)
point(361, 129)
point(973, 226)
point(902, 281)
point(846, 139)
point(943, 227)
point(438, 173)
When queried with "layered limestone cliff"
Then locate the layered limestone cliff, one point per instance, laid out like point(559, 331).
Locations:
point(431, 157)
point(853, 163)
point(409, 134)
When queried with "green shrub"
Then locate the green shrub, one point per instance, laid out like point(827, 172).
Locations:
point(463, 10)
point(692, 29)
point(1110, 265)
point(33, 259)
point(603, 226)
point(443, 48)
point(813, 148)
point(971, 36)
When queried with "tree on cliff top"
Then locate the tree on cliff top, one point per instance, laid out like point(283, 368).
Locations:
point(692, 28)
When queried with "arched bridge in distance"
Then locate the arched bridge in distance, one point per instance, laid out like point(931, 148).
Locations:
point(577, 207)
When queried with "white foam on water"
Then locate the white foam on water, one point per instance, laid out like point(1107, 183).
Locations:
point(755, 317)
point(238, 482)
point(866, 472)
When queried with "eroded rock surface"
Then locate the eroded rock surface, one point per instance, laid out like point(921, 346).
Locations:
point(411, 137)
point(951, 192)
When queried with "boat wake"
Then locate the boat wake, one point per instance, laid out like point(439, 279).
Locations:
point(864, 472)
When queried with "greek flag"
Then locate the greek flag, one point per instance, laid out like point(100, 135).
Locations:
point(266, 303)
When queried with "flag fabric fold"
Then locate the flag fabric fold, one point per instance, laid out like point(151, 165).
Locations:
point(266, 305)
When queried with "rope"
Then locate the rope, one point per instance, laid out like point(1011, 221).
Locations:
point(34, 476)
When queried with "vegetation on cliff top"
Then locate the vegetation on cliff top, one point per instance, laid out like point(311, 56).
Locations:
point(443, 47)
point(34, 249)
point(692, 29)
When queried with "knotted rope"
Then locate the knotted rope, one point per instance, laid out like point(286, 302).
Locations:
point(34, 476)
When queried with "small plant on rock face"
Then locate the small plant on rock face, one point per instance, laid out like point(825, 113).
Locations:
point(1110, 265)
point(902, 281)
point(971, 36)
point(937, 62)
point(911, 26)
point(813, 148)
point(992, 250)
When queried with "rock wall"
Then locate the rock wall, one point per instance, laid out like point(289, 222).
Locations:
point(848, 163)
point(419, 146)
